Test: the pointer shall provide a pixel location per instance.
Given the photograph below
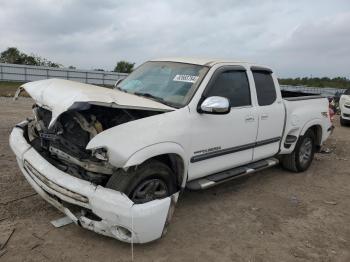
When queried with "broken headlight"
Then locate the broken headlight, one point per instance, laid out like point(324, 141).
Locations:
point(100, 153)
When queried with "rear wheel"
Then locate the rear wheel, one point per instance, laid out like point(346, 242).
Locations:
point(300, 159)
point(149, 181)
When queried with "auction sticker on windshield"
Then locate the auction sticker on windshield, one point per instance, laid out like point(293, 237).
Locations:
point(186, 78)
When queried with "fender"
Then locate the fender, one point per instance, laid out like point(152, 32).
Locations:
point(162, 148)
point(123, 141)
point(313, 122)
point(301, 131)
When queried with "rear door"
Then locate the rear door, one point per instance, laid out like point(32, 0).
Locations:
point(271, 113)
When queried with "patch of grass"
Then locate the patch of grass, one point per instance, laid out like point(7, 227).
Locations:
point(8, 89)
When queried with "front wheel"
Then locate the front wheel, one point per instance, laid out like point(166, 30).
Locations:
point(149, 181)
point(344, 122)
point(301, 157)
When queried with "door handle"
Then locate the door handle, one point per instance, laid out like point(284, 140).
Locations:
point(264, 116)
point(249, 118)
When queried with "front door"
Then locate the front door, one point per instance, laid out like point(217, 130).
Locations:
point(221, 142)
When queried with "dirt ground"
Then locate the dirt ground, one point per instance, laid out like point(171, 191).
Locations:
point(272, 216)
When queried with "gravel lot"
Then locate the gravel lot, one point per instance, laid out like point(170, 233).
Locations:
point(272, 216)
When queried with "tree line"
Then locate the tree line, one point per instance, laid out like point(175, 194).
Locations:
point(14, 56)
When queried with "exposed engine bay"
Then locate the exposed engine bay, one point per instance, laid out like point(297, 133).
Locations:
point(64, 143)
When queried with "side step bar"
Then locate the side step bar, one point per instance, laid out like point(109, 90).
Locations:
point(218, 178)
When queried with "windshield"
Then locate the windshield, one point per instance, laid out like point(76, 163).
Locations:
point(169, 83)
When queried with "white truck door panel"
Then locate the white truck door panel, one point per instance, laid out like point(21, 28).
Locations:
point(271, 114)
point(221, 142)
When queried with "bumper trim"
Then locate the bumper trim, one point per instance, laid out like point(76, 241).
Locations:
point(57, 188)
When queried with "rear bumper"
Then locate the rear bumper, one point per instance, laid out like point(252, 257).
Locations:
point(115, 214)
point(345, 116)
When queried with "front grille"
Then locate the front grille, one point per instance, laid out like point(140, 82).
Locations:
point(52, 185)
point(346, 115)
point(347, 106)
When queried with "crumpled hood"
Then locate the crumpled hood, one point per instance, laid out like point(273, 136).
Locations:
point(59, 95)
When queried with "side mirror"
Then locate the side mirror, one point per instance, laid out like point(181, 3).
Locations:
point(118, 82)
point(215, 105)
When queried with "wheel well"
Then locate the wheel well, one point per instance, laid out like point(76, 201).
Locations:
point(175, 163)
point(317, 130)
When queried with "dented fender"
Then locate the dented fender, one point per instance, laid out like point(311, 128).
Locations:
point(136, 141)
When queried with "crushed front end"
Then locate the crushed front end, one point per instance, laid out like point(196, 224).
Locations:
point(53, 158)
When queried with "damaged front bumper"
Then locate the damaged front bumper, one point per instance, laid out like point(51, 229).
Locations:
point(102, 210)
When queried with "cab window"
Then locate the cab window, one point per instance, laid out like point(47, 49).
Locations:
point(265, 88)
point(234, 86)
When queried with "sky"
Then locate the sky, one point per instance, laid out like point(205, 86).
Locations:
point(296, 38)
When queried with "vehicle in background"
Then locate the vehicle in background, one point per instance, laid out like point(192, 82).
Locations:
point(344, 104)
point(115, 161)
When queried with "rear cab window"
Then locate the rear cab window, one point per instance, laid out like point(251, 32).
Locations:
point(265, 87)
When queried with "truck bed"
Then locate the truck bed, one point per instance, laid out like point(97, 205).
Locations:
point(295, 96)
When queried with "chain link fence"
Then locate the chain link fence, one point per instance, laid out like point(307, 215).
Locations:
point(27, 73)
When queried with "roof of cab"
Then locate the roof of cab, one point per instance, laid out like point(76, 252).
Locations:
point(198, 61)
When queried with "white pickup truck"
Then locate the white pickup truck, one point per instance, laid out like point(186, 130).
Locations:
point(344, 104)
point(115, 161)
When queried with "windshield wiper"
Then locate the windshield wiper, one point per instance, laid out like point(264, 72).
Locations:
point(155, 98)
point(121, 89)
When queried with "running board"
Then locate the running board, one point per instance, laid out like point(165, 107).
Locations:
point(218, 178)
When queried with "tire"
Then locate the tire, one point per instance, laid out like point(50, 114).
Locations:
point(301, 157)
point(343, 122)
point(149, 181)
